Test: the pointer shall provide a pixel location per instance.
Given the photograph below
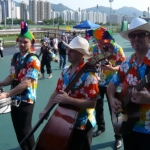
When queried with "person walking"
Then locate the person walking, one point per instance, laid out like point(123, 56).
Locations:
point(62, 53)
point(131, 72)
point(23, 79)
point(1, 49)
point(55, 47)
point(46, 59)
point(82, 95)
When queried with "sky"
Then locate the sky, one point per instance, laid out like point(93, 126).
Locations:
point(83, 4)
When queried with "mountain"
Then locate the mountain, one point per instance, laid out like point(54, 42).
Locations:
point(59, 7)
point(129, 11)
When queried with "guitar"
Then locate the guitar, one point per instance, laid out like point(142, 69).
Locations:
point(124, 122)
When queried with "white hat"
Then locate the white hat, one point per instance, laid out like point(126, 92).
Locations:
point(81, 45)
point(136, 24)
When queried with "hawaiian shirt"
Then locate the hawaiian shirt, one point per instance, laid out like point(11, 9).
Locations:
point(30, 70)
point(117, 58)
point(86, 87)
point(130, 74)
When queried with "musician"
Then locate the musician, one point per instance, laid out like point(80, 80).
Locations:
point(106, 71)
point(23, 83)
point(131, 71)
point(83, 95)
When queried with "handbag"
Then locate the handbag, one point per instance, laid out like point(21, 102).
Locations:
point(1, 48)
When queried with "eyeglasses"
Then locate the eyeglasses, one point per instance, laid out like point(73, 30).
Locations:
point(139, 35)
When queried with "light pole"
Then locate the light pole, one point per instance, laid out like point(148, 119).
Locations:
point(4, 14)
point(53, 17)
point(12, 8)
point(110, 12)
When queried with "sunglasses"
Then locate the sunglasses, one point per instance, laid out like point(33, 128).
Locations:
point(139, 35)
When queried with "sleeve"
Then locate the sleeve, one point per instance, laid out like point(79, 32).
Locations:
point(91, 86)
point(33, 67)
point(120, 56)
point(59, 85)
point(120, 76)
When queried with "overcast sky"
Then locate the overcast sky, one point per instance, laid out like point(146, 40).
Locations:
point(75, 4)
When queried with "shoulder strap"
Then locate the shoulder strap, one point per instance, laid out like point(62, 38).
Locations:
point(18, 68)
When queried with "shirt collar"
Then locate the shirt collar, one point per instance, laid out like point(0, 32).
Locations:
point(146, 59)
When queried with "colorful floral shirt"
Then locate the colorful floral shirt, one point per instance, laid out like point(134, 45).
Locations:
point(117, 58)
point(130, 74)
point(30, 70)
point(86, 87)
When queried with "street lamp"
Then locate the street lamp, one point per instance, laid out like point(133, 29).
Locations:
point(4, 14)
point(53, 17)
point(110, 12)
point(12, 8)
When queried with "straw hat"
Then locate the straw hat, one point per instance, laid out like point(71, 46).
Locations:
point(136, 24)
point(81, 45)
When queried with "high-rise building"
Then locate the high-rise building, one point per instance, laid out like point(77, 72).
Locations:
point(40, 12)
point(17, 12)
point(33, 10)
point(47, 10)
point(23, 11)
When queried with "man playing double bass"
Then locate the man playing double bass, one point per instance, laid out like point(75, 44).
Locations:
point(83, 94)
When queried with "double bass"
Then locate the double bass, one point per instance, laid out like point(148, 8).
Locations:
point(57, 132)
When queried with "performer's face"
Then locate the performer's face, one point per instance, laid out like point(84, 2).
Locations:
point(74, 56)
point(24, 44)
point(139, 40)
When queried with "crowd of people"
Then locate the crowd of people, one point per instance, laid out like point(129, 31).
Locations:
point(90, 87)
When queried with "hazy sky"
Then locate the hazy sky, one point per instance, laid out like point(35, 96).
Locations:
point(75, 4)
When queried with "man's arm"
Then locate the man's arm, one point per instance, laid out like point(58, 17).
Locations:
point(110, 67)
point(115, 104)
point(49, 104)
point(25, 83)
point(63, 98)
point(6, 81)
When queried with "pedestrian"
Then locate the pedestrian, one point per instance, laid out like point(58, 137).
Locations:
point(62, 53)
point(55, 46)
point(131, 72)
point(107, 70)
point(23, 79)
point(82, 95)
point(1, 49)
point(46, 59)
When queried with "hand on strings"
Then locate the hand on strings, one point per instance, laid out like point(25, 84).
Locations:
point(107, 67)
point(142, 97)
point(116, 106)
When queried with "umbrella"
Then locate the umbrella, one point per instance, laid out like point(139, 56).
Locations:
point(86, 25)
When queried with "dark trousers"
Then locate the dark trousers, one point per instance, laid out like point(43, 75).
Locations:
point(21, 118)
point(1, 53)
point(46, 63)
point(62, 62)
point(100, 110)
point(136, 141)
point(82, 139)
